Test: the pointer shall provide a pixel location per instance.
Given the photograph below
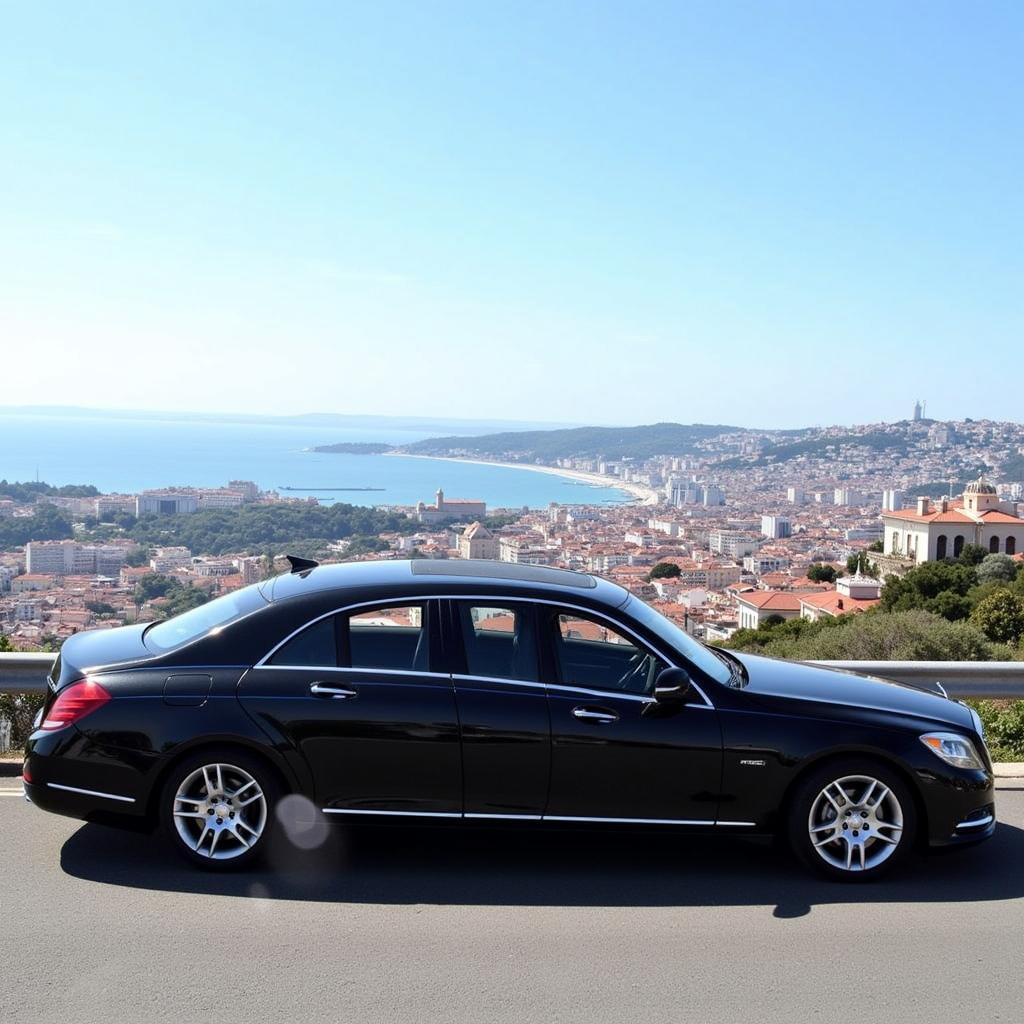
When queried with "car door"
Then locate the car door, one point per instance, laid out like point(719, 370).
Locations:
point(616, 752)
point(360, 697)
point(502, 704)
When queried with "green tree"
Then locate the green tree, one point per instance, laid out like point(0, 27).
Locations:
point(997, 569)
point(923, 585)
point(821, 573)
point(973, 554)
point(1000, 616)
point(664, 571)
point(876, 545)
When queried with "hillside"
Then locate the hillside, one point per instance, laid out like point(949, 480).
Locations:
point(578, 442)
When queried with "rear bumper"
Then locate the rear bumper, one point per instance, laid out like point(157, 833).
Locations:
point(71, 776)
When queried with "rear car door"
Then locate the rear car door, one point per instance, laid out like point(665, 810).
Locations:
point(617, 754)
point(502, 703)
point(362, 697)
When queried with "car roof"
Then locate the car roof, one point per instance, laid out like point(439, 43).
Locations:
point(426, 576)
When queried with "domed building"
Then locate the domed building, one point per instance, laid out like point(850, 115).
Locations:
point(935, 530)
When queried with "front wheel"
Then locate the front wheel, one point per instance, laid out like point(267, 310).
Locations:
point(852, 820)
point(216, 808)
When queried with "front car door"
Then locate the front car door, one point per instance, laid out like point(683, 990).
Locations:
point(362, 696)
point(617, 754)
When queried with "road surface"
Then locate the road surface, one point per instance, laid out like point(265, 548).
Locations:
point(400, 926)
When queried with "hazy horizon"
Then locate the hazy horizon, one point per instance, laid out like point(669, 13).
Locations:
point(479, 425)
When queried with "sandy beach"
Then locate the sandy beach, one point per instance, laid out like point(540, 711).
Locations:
point(639, 492)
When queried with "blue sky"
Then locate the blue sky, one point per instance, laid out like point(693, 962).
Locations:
point(773, 214)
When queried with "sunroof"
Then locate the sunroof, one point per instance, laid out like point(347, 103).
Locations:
point(483, 569)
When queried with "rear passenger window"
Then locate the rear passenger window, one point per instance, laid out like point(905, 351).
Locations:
point(314, 647)
point(498, 641)
point(392, 637)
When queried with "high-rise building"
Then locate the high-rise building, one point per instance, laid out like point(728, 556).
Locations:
point(776, 527)
point(795, 496)
point(892, 500)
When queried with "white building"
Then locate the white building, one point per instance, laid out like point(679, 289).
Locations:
point(776, 527)
point(933, 531)
point(892, 500)
point(166, 503)
point(69, 558)
point(169, 559)
point(795, 496)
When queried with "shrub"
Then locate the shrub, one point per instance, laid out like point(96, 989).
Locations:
point(21, 709)
point(1004, 728)
point(1000, 616)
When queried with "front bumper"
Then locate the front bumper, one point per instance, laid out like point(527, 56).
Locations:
point(959, 805)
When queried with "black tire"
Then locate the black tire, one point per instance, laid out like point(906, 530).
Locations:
point(844, 832)
point(236, 766)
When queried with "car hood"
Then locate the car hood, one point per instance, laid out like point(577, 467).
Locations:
point(798, 681)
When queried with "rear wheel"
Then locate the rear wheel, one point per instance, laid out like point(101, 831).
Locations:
point(217, 807)
point(852, 820)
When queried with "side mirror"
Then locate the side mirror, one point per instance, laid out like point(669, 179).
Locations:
point(672, 686)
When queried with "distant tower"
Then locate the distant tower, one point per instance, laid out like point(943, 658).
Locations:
point(439, 499)
point(917, 411)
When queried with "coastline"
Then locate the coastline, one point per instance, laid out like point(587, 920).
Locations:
point(638, 492)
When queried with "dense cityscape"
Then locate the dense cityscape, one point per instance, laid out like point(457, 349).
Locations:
point(741, 529)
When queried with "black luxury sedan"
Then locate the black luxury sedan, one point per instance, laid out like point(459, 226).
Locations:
point(486, 692)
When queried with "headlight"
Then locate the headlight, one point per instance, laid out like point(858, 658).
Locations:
point(953, 748)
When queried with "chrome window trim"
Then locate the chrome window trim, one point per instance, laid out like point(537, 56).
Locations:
point(92, 792)
point(358, 671)
point(397, 602)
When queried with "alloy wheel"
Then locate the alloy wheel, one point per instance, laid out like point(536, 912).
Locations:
point(855, 823)
point(220, 811)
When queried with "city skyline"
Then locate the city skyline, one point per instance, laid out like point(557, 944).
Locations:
point(695, 215)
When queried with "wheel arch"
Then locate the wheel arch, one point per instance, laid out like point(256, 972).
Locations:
point(277, 764)
point(869, 754)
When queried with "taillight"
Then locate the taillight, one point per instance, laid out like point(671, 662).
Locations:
point(74, 703)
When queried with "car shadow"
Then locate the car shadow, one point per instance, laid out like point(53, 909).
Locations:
point(534, 867)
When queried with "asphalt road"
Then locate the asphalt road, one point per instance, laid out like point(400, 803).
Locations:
point(399, 926)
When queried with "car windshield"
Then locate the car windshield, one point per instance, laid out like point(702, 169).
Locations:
point(692, 650)
point(214, 615)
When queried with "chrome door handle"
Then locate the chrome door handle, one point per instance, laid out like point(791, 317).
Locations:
point(594, 716)
point(335, 692)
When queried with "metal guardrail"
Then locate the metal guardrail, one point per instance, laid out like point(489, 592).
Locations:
point(26, 673)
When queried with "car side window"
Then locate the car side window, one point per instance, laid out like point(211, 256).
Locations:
point(591, 653)
point(314, 647)
point(390, 637)
point(498, 640)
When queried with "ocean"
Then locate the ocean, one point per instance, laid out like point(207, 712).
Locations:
point(120, 454)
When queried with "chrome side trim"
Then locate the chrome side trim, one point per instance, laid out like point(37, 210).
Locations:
point(977, 822)
point(628, 821)
point(508, 817)
point(396, 814)
point(421, 599)
point(92, 792)
point(541, 817)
